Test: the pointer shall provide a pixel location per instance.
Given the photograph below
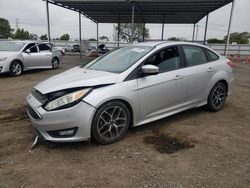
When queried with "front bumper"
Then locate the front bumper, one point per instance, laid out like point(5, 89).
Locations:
point(4, 66)
point(78, 117)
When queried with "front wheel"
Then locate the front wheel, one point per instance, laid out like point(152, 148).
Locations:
point(16, 68)
point(217, 97)
point(55, 63)
point(110, 122)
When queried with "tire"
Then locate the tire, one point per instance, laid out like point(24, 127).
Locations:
point(110, 123)
point(217, 97)
point(55, 63)
point(16, 68)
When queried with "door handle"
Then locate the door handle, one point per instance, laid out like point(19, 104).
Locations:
point(210, 69)
point(178, 77)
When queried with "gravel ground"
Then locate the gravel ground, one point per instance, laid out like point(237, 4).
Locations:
point(195, 148)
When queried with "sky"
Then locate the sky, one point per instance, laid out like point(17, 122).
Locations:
point(31, 15)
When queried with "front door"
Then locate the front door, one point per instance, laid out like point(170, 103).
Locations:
point(165, 92)
point(31, 59)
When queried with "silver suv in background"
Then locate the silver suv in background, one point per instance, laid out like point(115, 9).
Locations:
point(18, 56)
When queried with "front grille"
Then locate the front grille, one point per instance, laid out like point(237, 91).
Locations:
point(33, 113)
point(39, 96)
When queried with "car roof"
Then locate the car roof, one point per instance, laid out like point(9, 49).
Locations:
point(166, 43)
point(26, 41)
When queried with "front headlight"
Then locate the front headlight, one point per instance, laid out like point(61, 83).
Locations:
point(67, 100)
point(3, 58)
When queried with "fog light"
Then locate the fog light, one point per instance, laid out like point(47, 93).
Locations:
point(63, 133)
point(66, 133)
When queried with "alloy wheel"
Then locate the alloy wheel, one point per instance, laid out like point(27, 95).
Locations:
point(55, 63)
point(218, 96)
point(16, 69)
point(112, 122)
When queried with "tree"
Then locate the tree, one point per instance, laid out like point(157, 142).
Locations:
point(125, 32)
point(65, 37)
point(5, 29)
point(239, 38)
point(174, 39)
point(44, 37)
point(21, 34)
point(104, 38)
point(215, 41)
point(33, 36)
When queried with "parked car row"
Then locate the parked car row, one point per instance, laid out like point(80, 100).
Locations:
point(19, 56)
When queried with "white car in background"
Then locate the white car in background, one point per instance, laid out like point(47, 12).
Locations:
point(19, 56)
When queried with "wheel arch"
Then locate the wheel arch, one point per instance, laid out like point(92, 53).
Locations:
point(220, 80)
point(126, 103)
point(55, 57)
point(18, 60)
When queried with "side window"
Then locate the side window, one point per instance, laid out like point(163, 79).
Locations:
point(211, 55)
point(44, 47)
point(32, 47)
point(194, 55)
point(167, 60)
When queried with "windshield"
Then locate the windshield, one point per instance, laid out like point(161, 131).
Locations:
point(11, 46)
point(118, 60)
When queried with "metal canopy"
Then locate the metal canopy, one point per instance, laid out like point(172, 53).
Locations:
point(146, 11)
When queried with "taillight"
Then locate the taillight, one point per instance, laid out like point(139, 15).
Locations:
point(230, 63)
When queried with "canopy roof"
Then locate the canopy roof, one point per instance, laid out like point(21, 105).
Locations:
point(146, 11)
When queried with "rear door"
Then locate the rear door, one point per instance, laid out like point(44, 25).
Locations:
point(198, 73)
point(164, 92)
point(31, 57)
point(45, 54)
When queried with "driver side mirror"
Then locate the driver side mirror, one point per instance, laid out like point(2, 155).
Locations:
point(150, 70)
point(27, 51)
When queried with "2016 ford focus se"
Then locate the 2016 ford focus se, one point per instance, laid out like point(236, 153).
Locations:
point(127, 87)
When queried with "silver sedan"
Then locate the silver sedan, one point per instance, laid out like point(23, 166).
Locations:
point(18, 56)
point(127, 87)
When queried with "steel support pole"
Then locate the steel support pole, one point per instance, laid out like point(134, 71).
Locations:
point(48, 23)
point(80, 34)
point(162, 28)
point(193, 33)
point(132, 23)
point(229, 27)
point(119, 30)
point(143, 33)
point(97, 35)
point(205, 34)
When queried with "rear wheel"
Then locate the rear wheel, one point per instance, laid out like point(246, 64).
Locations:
point(110, 122)
point(217, 97)
point(16, 68)
point(55, 63)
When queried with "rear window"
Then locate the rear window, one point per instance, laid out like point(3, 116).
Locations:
point(211, 55)
point(194, 55)
point(44, 47)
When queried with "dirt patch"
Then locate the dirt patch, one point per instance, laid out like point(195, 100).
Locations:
point(166, 143)
point(195, 148)
point(15, 114)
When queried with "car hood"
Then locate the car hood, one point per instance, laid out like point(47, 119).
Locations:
point(7, 54)
point(76, 77)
